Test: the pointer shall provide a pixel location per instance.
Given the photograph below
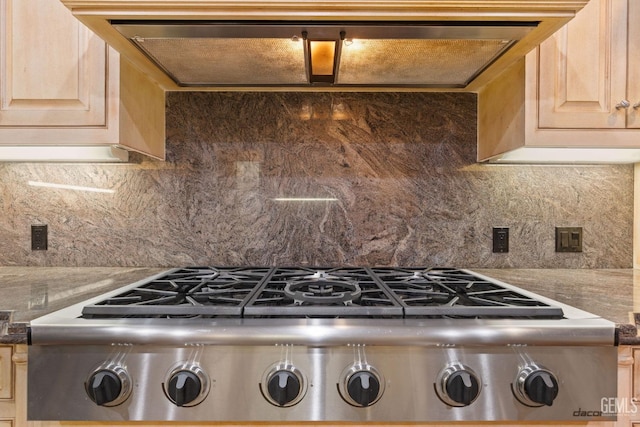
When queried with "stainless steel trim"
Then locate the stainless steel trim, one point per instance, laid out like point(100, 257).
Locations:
point(328, 30)
point(326, 332)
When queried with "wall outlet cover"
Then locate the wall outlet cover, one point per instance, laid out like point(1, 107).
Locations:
point(500, 240)
point(568, 239)
point(39, 238)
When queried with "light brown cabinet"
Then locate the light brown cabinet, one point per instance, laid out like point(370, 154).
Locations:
point(7, 407)
point(579, 88)
point(6, 373)
point(587, 73)
point(628, 369)
point(60, 83)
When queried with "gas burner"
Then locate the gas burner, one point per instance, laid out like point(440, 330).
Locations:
point(184, 293)
point(455, 293)
point(322, 288)
point(322, 292)
point(417, 280)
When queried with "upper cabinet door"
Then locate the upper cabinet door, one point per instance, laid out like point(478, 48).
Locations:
point(55, 75)
point(50, 63)
point(633, 80)
point(582, 70)
point(60, 84)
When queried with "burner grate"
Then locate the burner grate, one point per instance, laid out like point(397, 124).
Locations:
point(322, 292)
point(301, 292)
point(202, 291)
point(456, 293)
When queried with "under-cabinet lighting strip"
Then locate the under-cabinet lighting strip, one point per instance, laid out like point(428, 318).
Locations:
point(66, 153)
point(550, 155)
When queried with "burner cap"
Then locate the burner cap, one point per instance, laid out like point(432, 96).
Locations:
point(321, 289)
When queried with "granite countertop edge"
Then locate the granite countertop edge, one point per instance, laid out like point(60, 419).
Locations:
point(64, 286)
point(627, 334)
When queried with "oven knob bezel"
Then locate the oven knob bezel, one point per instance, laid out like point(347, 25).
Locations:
point(275, 369)
point(520, 384)
point(349, 372)
point(121, 374)
point(194, 369)
point(445, 376)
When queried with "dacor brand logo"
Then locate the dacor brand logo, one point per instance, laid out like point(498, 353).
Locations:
point(582, 413)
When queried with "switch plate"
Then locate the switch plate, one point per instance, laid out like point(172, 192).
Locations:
point(568, 239)
point(500, 240)
point(39, 238)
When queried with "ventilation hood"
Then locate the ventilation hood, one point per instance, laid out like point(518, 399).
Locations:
point(323, 45)
point(340, 54)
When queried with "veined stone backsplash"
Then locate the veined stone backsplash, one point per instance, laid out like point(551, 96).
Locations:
point(393, 176)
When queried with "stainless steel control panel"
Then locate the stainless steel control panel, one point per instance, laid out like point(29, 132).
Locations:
point(332, 383)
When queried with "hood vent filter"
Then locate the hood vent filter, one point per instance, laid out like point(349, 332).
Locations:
point(205, 61)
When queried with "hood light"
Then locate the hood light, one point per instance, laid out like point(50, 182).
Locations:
point(75, 153)
point(321, 58)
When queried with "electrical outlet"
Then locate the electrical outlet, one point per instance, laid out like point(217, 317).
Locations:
point(500, 239)
point(568, 239)
point(39, 238)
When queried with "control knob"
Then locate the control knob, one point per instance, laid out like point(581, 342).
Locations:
point(362, 385)
point(283, 385)
point(109, 385)
point(536, 386)
point(458, 385)
point(186, 385)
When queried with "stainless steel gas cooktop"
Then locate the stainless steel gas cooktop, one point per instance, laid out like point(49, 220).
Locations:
point(342, 344)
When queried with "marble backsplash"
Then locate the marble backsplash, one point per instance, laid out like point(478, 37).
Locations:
point(319, 179)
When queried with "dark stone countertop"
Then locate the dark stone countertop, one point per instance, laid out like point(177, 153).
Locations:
point(30, 292)
point(608, 293)
point(27, 293)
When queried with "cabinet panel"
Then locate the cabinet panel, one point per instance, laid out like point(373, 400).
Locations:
point(635, 380)
point(633, 82)
point(6, 373)
point(6, 423)
point(53, 69)
point(582, 70)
